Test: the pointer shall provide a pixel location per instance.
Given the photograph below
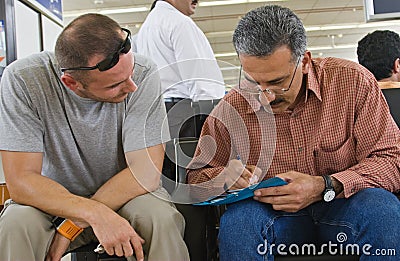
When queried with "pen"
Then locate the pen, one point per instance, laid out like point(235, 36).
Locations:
point(238, 158)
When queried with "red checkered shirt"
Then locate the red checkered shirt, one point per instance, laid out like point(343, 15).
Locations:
point(341, 127)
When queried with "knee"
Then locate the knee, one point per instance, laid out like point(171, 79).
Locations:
point(151, 211)
point(167, 216)
point(377, 200)
point(18, 219)
point(247, 213)
point(378, 203)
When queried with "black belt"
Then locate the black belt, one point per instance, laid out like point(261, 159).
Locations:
point(174, 100)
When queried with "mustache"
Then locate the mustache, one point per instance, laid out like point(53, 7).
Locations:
point(195, 1)
point(276, 101)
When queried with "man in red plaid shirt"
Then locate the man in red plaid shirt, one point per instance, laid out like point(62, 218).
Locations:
point(323, 126)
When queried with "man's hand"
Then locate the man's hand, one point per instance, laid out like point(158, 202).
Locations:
point(117, 236)
point(237, 176)
point(301, 191)
point(57, 248)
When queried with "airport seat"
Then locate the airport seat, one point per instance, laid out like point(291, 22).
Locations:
point(201, 221)
point(202, 109)
point(86, 253)
point(392, 96)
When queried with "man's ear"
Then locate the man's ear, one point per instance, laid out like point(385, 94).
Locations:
point(306, 62)
point(396, 66)
point(70, 82)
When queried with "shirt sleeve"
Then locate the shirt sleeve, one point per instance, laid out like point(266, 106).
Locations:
point(377, 143)
point(21, 128)
point(145, 123)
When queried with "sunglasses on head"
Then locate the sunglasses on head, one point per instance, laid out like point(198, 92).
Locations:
point(110, 61)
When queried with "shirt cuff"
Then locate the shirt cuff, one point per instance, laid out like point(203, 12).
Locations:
point(351, 180)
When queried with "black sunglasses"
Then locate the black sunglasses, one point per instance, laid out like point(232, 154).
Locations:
point(110, 61)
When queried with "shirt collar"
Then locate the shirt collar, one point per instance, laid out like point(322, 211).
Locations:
point(313, 76)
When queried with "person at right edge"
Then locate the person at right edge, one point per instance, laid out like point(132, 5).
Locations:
point(336, 146)
point(379, 52)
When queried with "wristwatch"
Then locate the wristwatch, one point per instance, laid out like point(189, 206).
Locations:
point(329, 193)
point(66, 227)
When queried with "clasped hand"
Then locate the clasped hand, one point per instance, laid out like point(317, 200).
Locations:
point(114, 233)
point(301, 191)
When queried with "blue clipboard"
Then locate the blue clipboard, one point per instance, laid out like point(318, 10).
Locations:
point(231, 197)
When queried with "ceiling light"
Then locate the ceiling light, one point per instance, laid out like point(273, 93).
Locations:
point(351, 26)
point(329, 47)
point(107, 11)
point(234, 2)
point(124, 10)
point(217, 55)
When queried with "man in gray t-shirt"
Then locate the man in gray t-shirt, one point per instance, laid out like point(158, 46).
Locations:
point(81, 138)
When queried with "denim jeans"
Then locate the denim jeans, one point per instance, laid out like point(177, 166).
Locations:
point(367, 224)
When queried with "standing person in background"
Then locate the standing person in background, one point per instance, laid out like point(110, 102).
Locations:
point(186, 62)
point(134, 47)
point(379, 52)
point(323, 126)
point(82, 145)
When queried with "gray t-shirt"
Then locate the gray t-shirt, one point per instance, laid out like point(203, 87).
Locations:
point(83, 141)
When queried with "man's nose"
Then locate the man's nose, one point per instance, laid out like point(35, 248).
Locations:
point(131, 86)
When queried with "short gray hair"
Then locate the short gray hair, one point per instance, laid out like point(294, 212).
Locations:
point(263, 30)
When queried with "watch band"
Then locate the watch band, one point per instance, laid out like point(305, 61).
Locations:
point(67, 228)
point(328, 182)
point(329, 193)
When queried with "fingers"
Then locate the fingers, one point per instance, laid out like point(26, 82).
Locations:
point(128, 248)
point(118, 250)
point(109, 250)
point(240, 176)
point(137, 243)
point(240, 183)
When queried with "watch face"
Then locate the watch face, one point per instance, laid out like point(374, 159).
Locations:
point(329, 195)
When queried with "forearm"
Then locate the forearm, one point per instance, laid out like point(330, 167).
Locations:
point(43, 193)
point(119, 190)
point(141, 177)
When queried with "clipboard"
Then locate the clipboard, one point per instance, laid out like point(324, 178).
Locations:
point(238, 195)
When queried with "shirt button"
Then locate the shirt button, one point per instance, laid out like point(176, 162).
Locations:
point(300, 149)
